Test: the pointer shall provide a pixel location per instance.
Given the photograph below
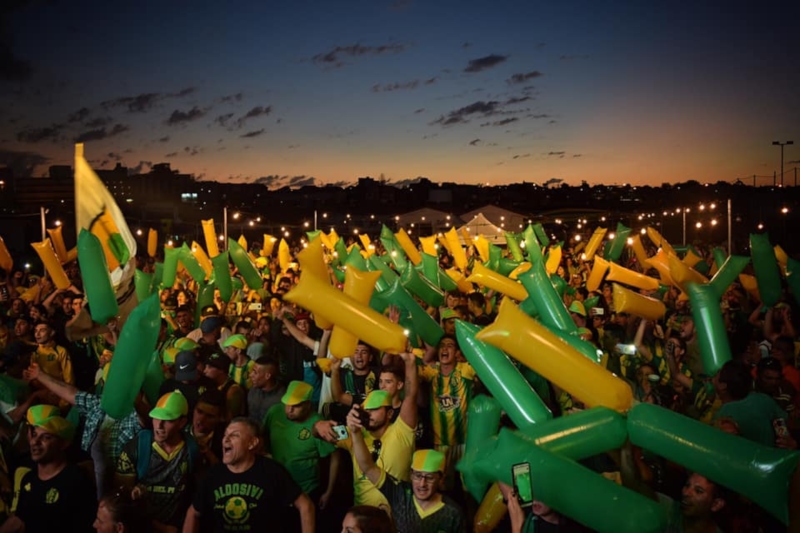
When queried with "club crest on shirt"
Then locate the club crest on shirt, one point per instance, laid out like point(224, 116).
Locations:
point(51, 496)
point(449, 403)
point(304, 434)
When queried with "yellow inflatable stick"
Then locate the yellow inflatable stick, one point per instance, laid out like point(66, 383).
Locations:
point(444, 243)
point(268, 245)
point(580, 246)
point(782, 258)
point(491, 510)
point(333, 238)
point(627, 301)
point(202, 258)
point(467, 237)
point(429, 245)
point(660, 262)
point(750, 284)
point(459, 256)
point(660, 241)
point(326, 240)
point(594, 243)
point(284, 255)
point(599, 268)
point(521, 269)
point(210, 234)
point(691, 259)
point(362, 321)
point(324, 364)
point(103, 230)
point(543, 351)
point(482, 246)
point(72, 254)
point(553, 260)
point(369, 248)
point(638, 251)
point(58, 244)
point(491, 279)
point(682, 275)
point(51, 263)
point(152, 242)
point(631, 277)
point(462, 283)
point(312, 262)
point(358, 285)
point(242, 242)
point(6, 263)
point(408, 247)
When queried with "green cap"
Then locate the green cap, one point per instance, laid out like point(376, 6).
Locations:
point(377, 399)
point(428, 461)
point(448, 313)
point(185, 344)
point(171, 406)
point(48, 418)
point(237, 341)
point(297, 392)
point(578, 308)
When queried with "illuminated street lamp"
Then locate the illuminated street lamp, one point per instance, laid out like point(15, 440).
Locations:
point(782, 144)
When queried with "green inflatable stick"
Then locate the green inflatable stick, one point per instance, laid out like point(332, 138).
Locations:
point(757, 472)
point(311, 235)
point(494, 257)
point(581, 435)
point(222, 275)
point(711, 333)
point(341, 250)
point(614, 251)
point(484, 415)
point(728, 273)
point(766, 269)
point(137, 341)
point(205, 297)
point(430, 269)
point(589, 350)
point(702, 267)
point(236, 283)
point(153, 379)
point(559, 284)
point(421, 287)
point(355, 259)
point(555, 480)
point(338, 273)
point(144, 285)
point(387, 274)
point(427, 328)
point(170, 266)
point(158, 277)
point(541, 235)
point(590, 303)
point(552, 311)
point(96, 279)
point(246, 267)
point(446, 283)
point(512, 243)
point(719, 256)
point(502, 378)
point(191, 264)
point(532, 247)
point(528, 307)
point(506, 266)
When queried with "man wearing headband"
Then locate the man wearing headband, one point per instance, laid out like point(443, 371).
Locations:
point(55, 491)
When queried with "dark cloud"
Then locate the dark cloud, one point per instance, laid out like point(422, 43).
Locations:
point(541, 115)
point(483, 63)
point(192, 150)
point(170, 155)
point(257, 111)
point(518, 99)
point(577, 155)
point(101, 133)
point(114, 156)
point(184, 92)
point(22, 164)
point(523, 156)
point(144, 102)
point(181, 117)
point(232, 98)
point(222, 120)
point(302, 181)
point(474, 142)
point(420, 110)
point(278, 182)
point(466, 44)
point(502, 122)
point(36, 135)
point(141, 168)
point(461, 116)
point(523, 77)
point(99, 122)
point(559, 155)
point(335, 57)
point(251, 134)
point(164, 139)
point(396, 86)
point(79, 116)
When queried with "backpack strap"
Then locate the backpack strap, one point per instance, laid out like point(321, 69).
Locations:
point(144, 447)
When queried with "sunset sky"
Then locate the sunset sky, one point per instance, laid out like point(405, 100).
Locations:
point(466, 91)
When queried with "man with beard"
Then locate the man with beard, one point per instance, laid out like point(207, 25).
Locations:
point(417, 505)
point(159, 464)
point(351, 385)
point(246, 490)
point(288, 433)
point(54, 491)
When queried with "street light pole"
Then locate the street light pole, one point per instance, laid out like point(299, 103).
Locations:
point(225, 226)
point(782, 144)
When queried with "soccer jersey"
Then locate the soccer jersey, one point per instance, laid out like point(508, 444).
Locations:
point(248, 501)
point(394, 457)
point(293, 445)
point(241, 374)
point(444, 517)
point(357, 386)
point(450, 396)
point(168, 479)
point(55, 362)
point(64, 500)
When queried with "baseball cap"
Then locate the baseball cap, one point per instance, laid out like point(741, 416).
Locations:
point(237, 341)
point(185, 343)
point(209, 310)
point(297, 392)
point(427, 461)
point(448, 313)
point(302, 316)
point(171, 406)
point(377, 399)
point(577, 308)
point(219, 361)
point(210, 323)
point(256, 350)
point(185, 366)
point(49, 418)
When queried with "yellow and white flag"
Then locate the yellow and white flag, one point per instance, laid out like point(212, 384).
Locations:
point(97, 212)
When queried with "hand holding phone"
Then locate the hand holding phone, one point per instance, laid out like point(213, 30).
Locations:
point(340, 432)
point(523, 485)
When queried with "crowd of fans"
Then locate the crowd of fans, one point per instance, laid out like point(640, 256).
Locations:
point(256, 428)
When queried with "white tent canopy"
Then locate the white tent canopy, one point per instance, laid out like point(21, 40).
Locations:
point(480, 225)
